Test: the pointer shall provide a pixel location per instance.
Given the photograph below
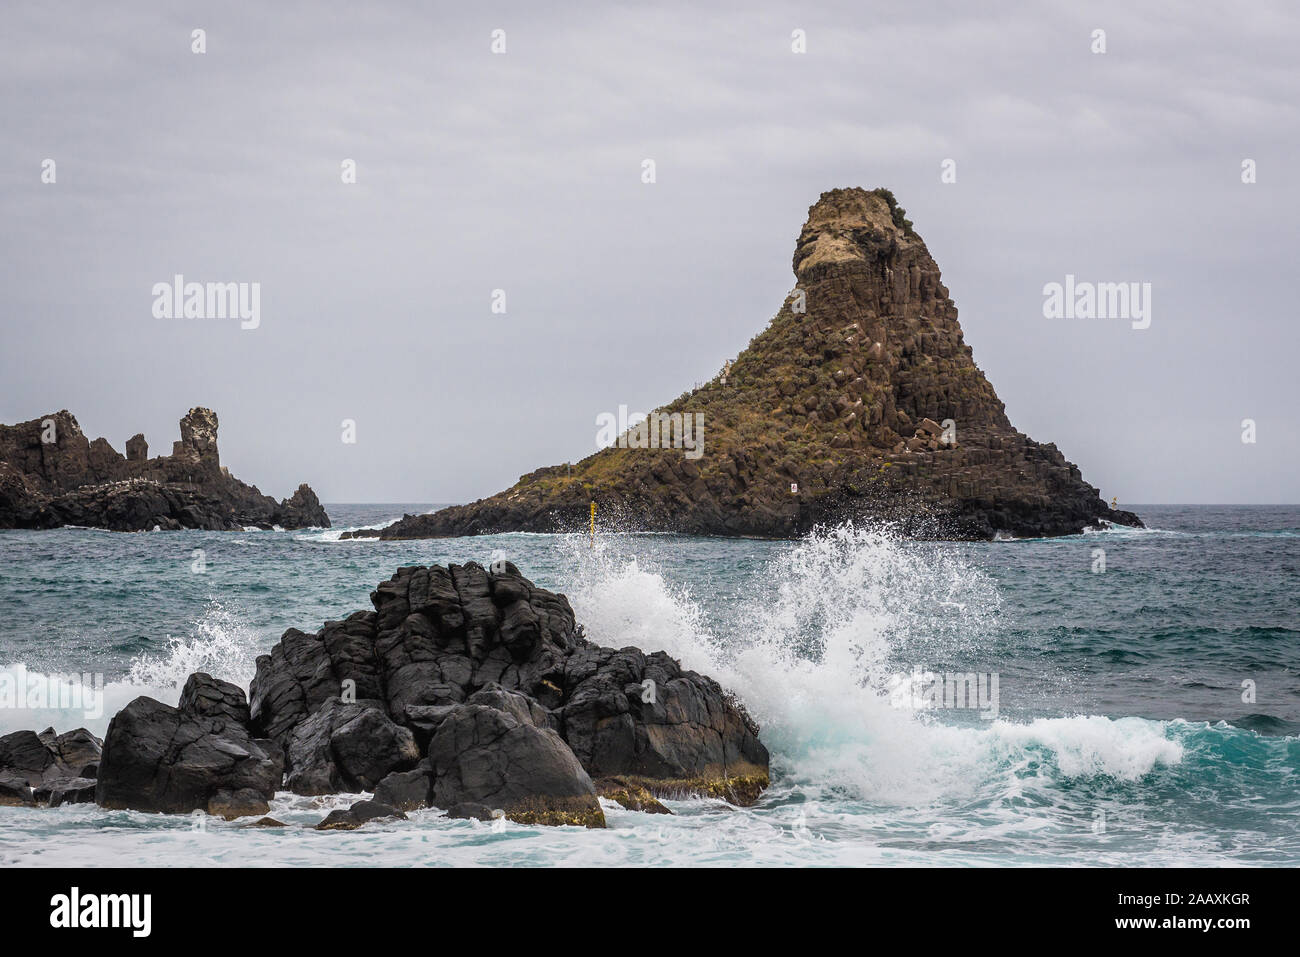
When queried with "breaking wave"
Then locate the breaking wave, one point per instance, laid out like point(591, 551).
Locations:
point(218, 643)
point(811, 652)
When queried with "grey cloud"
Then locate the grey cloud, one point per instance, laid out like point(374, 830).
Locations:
point(521, 172)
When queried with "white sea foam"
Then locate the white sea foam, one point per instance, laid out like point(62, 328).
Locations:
point(217, 643)
point(336, 534)
point(811, 657)
point(1110, 528)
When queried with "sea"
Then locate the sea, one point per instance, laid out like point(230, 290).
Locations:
point(1119, 697)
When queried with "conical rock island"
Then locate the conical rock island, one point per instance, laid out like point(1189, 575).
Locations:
point(860, 400)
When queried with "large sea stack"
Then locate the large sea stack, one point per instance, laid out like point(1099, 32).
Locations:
point(52, 475)
point(860, 400)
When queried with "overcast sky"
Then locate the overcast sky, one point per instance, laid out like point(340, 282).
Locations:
point(522, 171)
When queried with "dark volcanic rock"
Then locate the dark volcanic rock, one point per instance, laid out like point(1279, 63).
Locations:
point(76, 751)
point(23, 753)
point(66, 791)
point(406, 790)
point(464, 688)
point(631, 795)
point(347, 747)
point(481, 755)
point(49, 759)
point(835, 411)
point(47, 768)
point(498, 750)
point(642, 719)
point(358, 814)
point(521, 707)
point(237, 803)
point(14, 789)
point(137, 449)
point(197, 756)
point(52, 475)
point(471, 812)
point(301, 510)
point(514, 709)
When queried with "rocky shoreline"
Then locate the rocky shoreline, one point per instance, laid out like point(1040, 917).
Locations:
point(51, 475)
point(464, 688)
point(860, 400)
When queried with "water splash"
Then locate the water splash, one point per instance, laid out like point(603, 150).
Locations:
point(811, 650)
point(220, 645)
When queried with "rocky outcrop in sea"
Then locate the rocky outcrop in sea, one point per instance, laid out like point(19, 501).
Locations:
point(860, 400)
point(52, 475)
point(47, 768)
point(464, 688)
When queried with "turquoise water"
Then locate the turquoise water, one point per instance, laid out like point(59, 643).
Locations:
point(1120, 736)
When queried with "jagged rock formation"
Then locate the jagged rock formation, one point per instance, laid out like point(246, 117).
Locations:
point(48, 768)
point(836, 410)
point(52, 475)
point(196, 756)
point(498, 750)
point(346, 747)
point(466, 688)
point(469, 688)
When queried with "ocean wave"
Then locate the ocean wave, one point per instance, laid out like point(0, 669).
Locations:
point(336, 535)
point(811, 657)
point(809, 643)
point(218, 643)
point(1110, 528)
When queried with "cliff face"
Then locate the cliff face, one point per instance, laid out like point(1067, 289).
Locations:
point(860, 399)
point(52, 475)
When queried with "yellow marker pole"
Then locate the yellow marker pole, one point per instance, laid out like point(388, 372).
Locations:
point(593, 524)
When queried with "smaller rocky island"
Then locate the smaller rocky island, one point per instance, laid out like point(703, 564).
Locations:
point(466, 688)
point(51, 475)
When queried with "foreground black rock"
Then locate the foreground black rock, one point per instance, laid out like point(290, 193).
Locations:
point(363, 812)
point(66, 791)
point(347, 747)
point(465, 689)
point(14, 790)
point(510, 706)
point(48, 768)
point(501, 755)
point(196, 756)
